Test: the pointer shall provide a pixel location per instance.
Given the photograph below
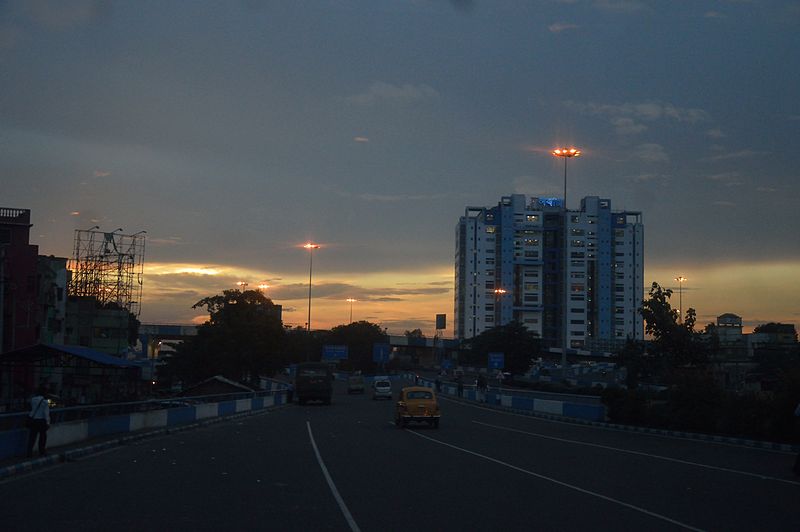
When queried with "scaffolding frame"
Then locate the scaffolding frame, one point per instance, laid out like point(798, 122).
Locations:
point(108, 267)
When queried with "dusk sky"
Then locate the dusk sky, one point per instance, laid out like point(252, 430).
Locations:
point(233, 132)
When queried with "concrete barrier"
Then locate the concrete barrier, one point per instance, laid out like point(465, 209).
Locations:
point(580, 407)
point(13, 442)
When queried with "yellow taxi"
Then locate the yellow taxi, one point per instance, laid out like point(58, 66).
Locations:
point(417, 404)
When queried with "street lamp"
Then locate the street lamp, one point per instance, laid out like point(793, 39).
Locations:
point(242, 285)
point(310, 246)
point(351, 301)
point(263, 286)
point(565, 153)
point(497, 310)
point(680, 280)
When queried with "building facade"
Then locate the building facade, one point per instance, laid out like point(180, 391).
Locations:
point(515, 262)
point(18, 291)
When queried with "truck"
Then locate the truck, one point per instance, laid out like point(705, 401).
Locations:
point(313, 381)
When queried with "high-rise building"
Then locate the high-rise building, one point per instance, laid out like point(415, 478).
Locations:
point(515, 263)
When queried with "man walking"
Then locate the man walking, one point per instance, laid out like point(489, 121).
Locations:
point(39, 422)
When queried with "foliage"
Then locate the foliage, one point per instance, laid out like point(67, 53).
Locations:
point(777, 328)
point(675, 344)
point(696, 403)
point(416, 333)
point(299, 346)
point(359, 337)
point(514, 340)
point(632, 357)
point(241, 340)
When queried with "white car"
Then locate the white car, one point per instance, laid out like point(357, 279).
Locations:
point(382, 389)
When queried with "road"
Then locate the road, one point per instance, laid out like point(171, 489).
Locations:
point(347, 467)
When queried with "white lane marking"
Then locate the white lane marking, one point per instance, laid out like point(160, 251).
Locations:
point(614, 429)
point(560, 483)
point(639, 453)
point(331, 485)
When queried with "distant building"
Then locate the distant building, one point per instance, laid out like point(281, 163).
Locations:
point(52, 281)
point(510, 266)
point(729, 329)
point(18, 290)
point(89, 324)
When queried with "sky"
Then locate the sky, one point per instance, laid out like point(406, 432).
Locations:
point(235, 131)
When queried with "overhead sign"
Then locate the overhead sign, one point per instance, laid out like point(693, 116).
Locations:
point(380, 352)
point(497, 360)
point(334, 352)
point(441, 321)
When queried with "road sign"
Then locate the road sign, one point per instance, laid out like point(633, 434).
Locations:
point(447, 363)
point(380, 352)
point(334, 352)
point(441, 321)
point(497, 360)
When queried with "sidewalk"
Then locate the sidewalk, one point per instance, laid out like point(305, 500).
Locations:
point(67, 453)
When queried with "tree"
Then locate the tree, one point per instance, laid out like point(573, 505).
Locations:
point(241, 340)
point(678, 343)
point(778, 329)
point(631, 356)
point(514, 340)
point(416, 333)
point(359, 337)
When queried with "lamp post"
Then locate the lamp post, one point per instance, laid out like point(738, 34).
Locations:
point(680, 280)
point(565, 153)
point(242, 285)
point(351, 301)
point(310, 246)
point(497, 310)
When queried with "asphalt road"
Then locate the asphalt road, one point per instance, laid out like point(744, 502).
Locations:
point(347, 467)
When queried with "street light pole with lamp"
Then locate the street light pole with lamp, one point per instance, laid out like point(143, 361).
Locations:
point(310, 246)
point(498, 292)
point(680, 280)
point(565, 153)
point(351, 301)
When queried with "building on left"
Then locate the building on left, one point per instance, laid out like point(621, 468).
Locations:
point(42, 321)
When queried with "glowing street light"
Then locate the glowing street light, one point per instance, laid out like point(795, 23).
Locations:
point(351, 301)
point(680, 280)
point(565, 153)
point(310, 246)
point(498, 292)
point(263, 286)
point(242, 285)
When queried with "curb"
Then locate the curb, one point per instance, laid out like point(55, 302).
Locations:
point(74, 454)
point(683, 435)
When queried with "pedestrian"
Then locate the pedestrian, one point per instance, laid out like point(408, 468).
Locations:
point(438, 383)
point(482, 388)
point(796, 468)
point(460, 385)
point(39, 422)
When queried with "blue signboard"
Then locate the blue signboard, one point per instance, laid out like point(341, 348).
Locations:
point(447, 363)
point(334, 352)
point(496, 360)
point(380, 352)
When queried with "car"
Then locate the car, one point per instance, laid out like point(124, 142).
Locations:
point(382, 388)
point(417, 404)
point(355, 384)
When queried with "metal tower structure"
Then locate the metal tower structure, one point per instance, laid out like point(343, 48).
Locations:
point(109, 267)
